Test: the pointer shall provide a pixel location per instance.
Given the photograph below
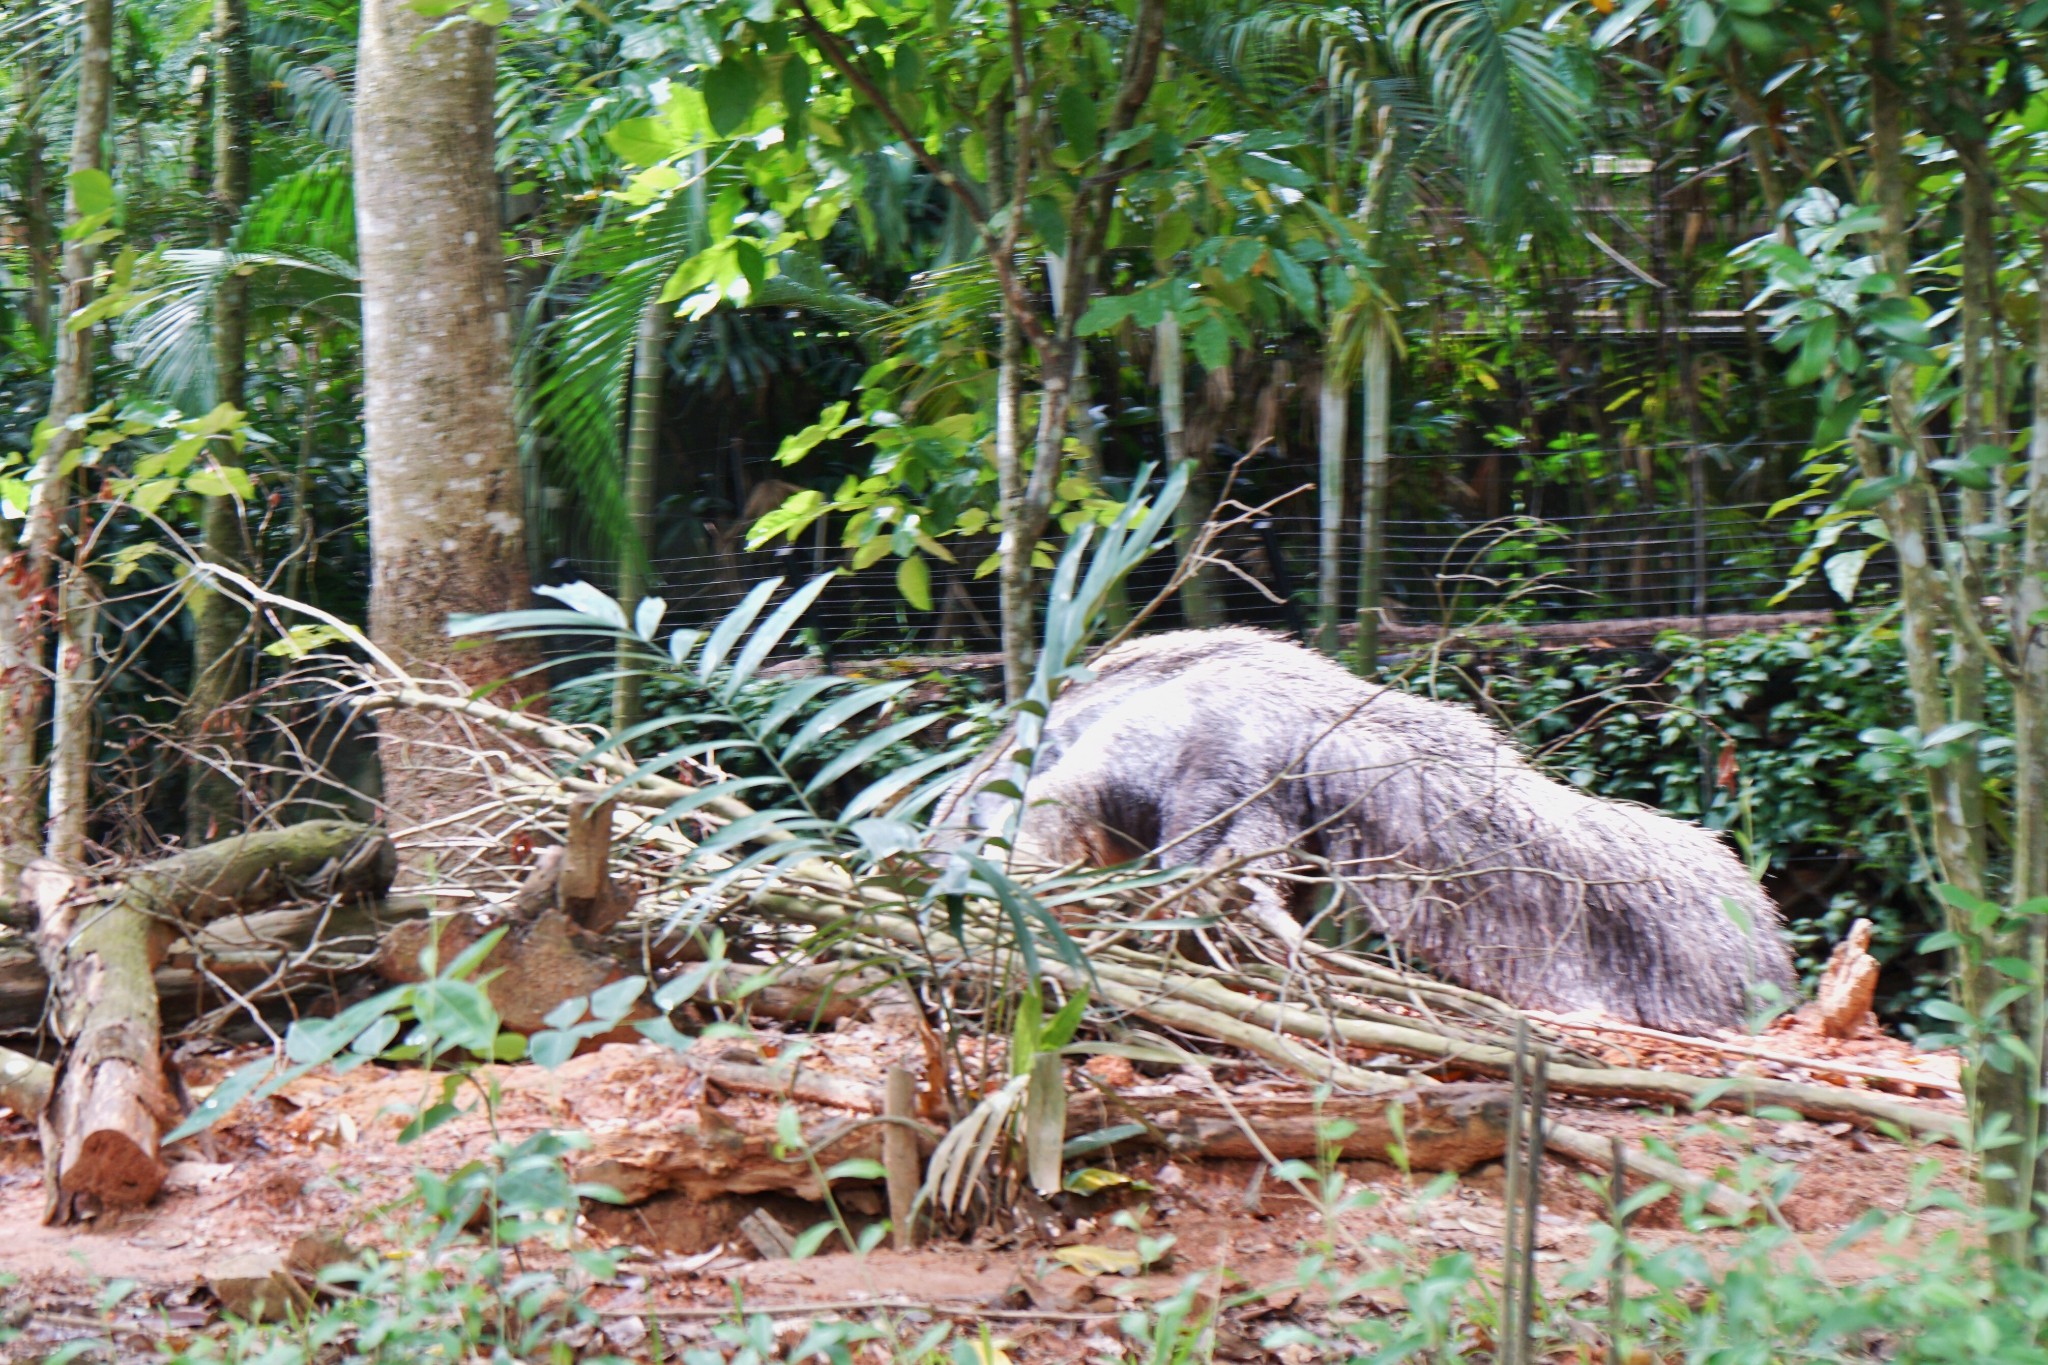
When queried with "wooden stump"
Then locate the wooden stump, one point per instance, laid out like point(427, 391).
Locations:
point(1848, 985)
point(553, 949)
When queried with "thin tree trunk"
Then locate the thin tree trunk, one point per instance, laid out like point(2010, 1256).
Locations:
point(26, 563)
point(212, 721)
point(1116, 610)
point(1014, 570)
point(1088, 223)
point(1372, 510)
point(1086, 435)
point(1197, 596)
point(304, 532)
point(2030, 722)
point(1958, 785)
point(1333, 403)
point(447, 518)
point(71, 733)
point(650, 367)
point(1955, 786)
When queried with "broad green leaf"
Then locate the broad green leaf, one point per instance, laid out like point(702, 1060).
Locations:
point(856, 1168)
point(813, 1237)
point(221, 1099)
point(771, 632)
point(92, 192)
point(1099, 1260)
point(221, 481)
point(1077, 119)
point(611, 1003)
point(299, 641)
point(730, 90)
point(729, 630)
point(1272, 169)
point(914, 581)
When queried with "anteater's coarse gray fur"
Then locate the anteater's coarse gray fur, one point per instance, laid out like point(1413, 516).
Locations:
point(1213, 746)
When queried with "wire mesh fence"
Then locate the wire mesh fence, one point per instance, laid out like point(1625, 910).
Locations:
point(1627, 564)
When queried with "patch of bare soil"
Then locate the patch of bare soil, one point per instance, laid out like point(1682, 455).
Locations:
point(324, 1159)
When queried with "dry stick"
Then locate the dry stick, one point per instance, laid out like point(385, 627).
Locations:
point(1212, 1005)
point(1511, 1201)
point(1740, 1093)
point(1617, 1265)
point(899, 1156)
point(1763, 1054)
point(1532, 1208)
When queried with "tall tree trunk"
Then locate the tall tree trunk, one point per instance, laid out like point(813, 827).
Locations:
point(213, 722)
point(1333, 402)
point(447, 520)
point(1372, 509)
point(26, 562)
point(643, 425)
point(2029, 623)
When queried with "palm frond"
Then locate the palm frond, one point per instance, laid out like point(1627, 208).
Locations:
point(169, 339)
point(1496, 82)
point(575, 369)
point(296, 245)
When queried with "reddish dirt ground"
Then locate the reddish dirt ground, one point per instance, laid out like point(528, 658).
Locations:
point(324, 1158)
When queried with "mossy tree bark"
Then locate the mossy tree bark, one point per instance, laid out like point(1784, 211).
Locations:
point(447, 516)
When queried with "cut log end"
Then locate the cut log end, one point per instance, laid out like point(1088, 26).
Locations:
point(116, 1170)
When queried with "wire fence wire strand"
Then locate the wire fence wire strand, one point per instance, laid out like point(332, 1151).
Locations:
point(1611, 566)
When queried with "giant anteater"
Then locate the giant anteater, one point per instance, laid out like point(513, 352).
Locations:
point(1220, 745)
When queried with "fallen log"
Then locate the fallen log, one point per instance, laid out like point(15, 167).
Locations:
point(101, 944)
point(705, 1154)
point(1441, 1127)
point(271, 951)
